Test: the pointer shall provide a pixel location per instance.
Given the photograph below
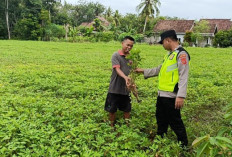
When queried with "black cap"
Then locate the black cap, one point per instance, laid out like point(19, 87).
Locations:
point(169, 33)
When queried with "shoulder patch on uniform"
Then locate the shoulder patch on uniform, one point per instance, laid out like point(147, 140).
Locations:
point(183, 56)
point(183, 60)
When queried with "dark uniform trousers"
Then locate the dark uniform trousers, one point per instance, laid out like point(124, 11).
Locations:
point(166, 114)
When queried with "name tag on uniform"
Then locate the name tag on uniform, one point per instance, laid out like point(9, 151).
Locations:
point(171, 56)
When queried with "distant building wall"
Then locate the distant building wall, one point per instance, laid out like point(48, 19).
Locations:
point(150, 40)
point(156, 38)
point(180, 37)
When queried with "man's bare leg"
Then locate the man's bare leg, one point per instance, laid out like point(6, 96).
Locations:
point(127, 117)
point(112, 117)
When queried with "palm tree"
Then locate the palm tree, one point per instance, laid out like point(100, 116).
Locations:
point(108, 12)
point(148, 8)
point(116, 18)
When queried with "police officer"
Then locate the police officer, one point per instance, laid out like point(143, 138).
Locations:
point(172, 87)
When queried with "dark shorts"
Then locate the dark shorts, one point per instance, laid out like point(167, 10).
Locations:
point(117, 101)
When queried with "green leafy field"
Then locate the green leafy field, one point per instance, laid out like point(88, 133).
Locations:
point(52, 100)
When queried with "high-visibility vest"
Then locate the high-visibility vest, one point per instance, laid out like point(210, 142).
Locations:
point(169, 75)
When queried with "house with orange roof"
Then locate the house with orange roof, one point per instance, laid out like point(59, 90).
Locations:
point(215, 25)
point(180, 26)
point(222, 24)
point(104, 22)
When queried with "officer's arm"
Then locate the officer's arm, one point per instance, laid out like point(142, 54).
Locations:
point(152, 72)
point(183, 69)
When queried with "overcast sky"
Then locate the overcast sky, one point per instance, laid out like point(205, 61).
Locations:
point(188, 9)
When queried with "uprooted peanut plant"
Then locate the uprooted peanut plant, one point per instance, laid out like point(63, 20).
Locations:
point(135, 60)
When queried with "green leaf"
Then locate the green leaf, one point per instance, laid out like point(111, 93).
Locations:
point(228, 116)
point(229, 108)
point(198, 141)
point(224, 139)
point(203, 149)
point(212, 141)
point(222, 131)
point(72, 134)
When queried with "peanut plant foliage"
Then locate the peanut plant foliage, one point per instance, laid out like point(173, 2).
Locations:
point(135, 60)
point(52, 99)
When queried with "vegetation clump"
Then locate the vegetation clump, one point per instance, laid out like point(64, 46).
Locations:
point(218, 145)
point(135, 60)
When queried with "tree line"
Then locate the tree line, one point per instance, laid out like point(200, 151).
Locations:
point(50, 19)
